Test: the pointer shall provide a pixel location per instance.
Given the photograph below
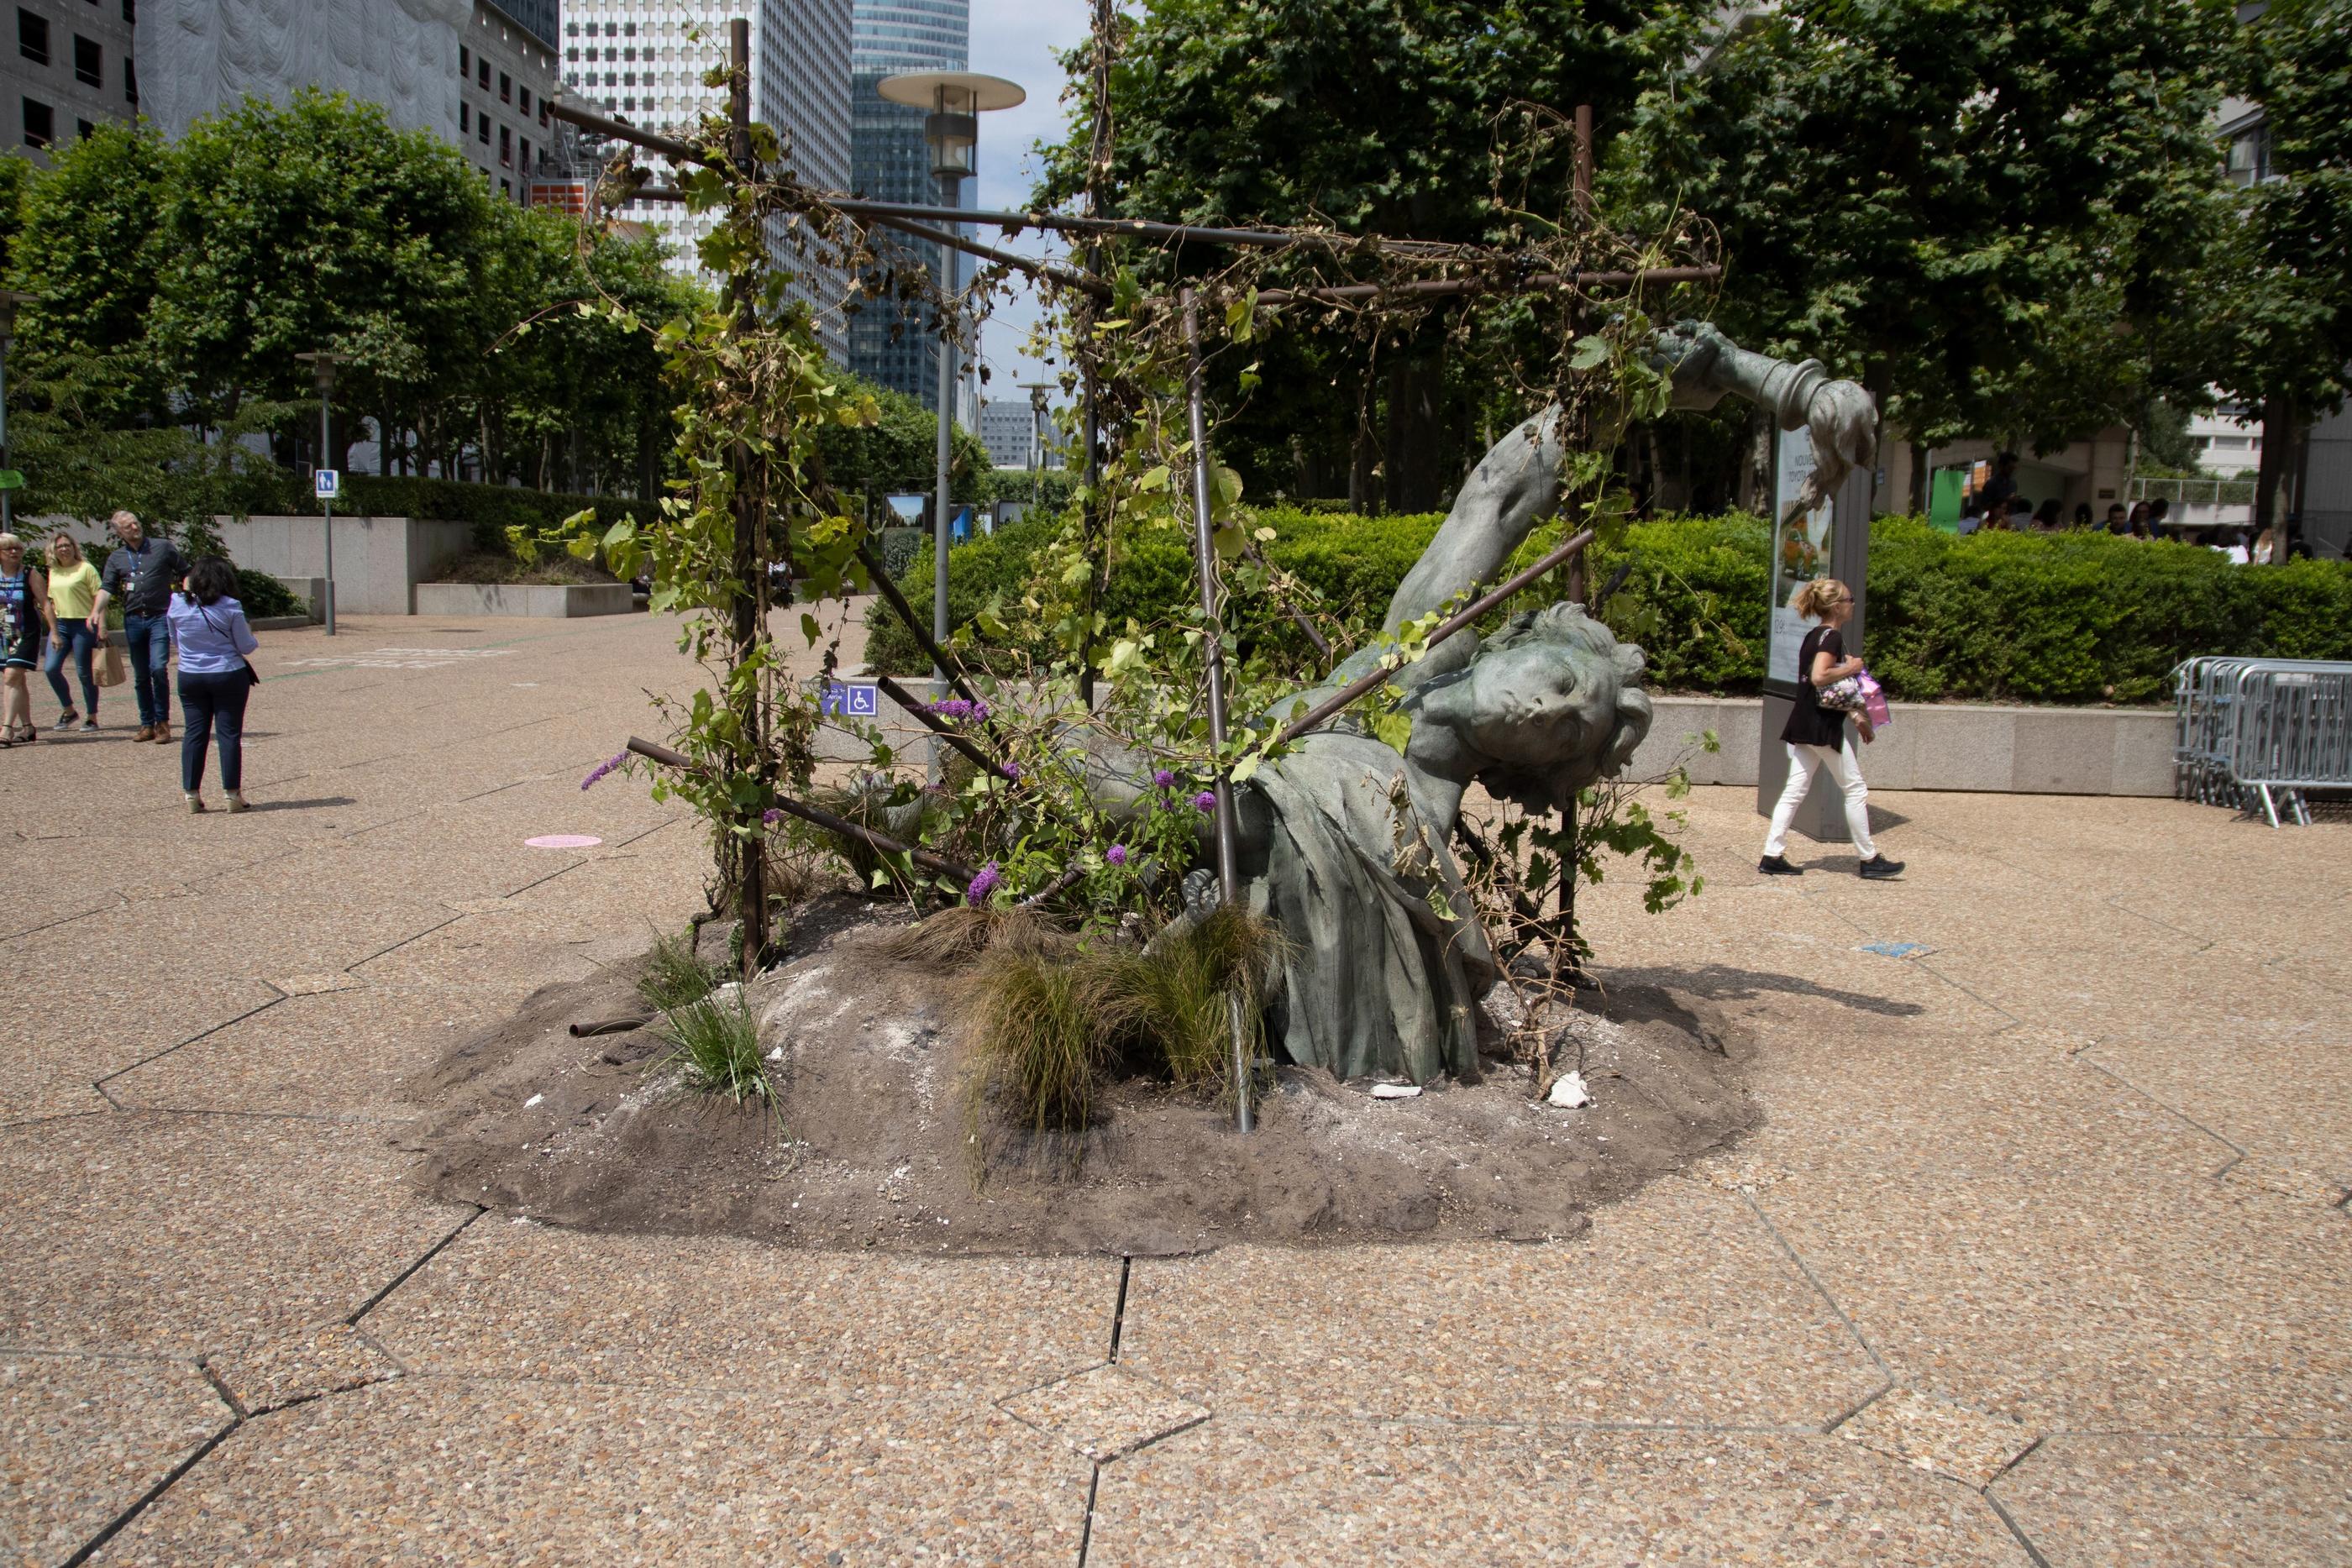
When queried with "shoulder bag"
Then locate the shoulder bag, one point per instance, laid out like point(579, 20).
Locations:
point(252, 676)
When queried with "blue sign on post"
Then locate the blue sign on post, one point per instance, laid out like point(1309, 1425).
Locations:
point(327, 483)
point(852, 699)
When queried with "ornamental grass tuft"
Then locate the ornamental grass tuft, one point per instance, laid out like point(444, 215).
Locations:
point(718, 1046)
point(1169, 1002)
point(1035, 1027)
point(1050, 1017)
point(674, 976)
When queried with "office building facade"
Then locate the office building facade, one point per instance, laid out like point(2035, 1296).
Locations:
point(644, 61)
point(67, 67)
point(891, 344)
point(476, 73)
point(506, 70)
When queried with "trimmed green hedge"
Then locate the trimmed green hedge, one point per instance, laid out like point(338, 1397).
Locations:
point(1998, 617)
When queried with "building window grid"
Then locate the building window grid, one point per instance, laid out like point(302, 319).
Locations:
point(32, 37)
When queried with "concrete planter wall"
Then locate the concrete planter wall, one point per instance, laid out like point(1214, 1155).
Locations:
point(378, 562)
point(558, 599)
point(2012, 750)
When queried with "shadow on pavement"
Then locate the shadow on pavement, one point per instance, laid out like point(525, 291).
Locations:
point(1722, 983)
point(304, 805)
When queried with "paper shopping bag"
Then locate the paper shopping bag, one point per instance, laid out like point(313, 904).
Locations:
point(113, 668)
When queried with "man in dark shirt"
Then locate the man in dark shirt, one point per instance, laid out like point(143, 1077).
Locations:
point(141, 573)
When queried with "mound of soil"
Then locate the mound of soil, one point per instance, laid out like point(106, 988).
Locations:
point(873, 1143)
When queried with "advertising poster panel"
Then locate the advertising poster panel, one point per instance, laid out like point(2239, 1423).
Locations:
point(1801, 552)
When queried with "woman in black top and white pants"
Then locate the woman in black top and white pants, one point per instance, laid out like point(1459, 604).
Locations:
point(1816, 735)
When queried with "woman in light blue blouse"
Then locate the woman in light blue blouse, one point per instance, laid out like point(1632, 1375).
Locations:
point(209, 630)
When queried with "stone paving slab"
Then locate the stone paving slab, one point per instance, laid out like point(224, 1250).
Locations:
point(50, 1060)
point(2092, 1502)
point(345, 1054)
point(460, 1472)
point(1678, 1308)
point(1256, 1490)
point(521, 1299)
point(83, 1438)
point(1986, 1158)
point(166, 1235)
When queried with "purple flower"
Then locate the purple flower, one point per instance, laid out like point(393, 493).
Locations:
point(1011, 771)
point(771, 816)
point(952, 707)
point(1206, 800)
point(611, 763)
point(983, 884)
point(1115, 854)
point(1162, 779)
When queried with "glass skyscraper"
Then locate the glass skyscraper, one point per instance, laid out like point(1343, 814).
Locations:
point(892, 344)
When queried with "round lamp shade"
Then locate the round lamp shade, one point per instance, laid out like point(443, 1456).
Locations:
point(965, 92)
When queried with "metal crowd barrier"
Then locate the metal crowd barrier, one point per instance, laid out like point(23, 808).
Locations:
point(2262, 731)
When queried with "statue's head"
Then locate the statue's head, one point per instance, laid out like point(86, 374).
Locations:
point(1550, 704)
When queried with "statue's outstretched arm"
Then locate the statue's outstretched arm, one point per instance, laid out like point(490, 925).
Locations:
point(1839, 414)
point(1515, 486)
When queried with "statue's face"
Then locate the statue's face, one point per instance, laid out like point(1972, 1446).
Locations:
point(1540, 704)
point(1552, 717)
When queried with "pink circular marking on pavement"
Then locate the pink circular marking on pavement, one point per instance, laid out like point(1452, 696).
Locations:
point(563, 842)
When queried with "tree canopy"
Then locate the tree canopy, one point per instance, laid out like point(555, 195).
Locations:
point(174, 283)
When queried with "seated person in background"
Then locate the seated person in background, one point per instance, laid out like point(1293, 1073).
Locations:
point(2116, 523)
point(2046, 517)
point(1997, 517)
point(2081, 517)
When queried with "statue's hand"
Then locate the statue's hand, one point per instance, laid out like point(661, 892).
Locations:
point(1845, 422)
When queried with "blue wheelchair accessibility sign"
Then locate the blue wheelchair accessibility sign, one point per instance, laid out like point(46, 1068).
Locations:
point(852, 699)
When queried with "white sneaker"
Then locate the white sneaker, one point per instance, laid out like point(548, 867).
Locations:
point(237, 801)
point(195, 802)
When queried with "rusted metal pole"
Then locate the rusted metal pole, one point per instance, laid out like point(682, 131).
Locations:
point(1204, 550)
point(748, 558)
point(1344, 292)
point(653, 751)
point(1582, 196)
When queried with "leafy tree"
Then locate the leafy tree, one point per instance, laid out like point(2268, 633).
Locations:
point(899, 452)
point(2280, 297)
point(569, 398)
point(319, 226)
point(1990, 212)
point(88, 254)
point(1372, 116)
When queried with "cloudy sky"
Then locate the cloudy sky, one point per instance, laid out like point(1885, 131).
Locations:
point(1017, 39)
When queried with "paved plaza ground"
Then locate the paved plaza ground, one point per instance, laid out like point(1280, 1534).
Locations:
point(2040, 1256)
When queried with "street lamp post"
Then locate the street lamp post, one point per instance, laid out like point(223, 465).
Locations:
point(956, 100)
point(9, 299)
point(324, 364)
point(1036, 391)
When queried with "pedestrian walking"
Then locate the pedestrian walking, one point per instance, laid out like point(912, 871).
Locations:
point(142, 573)
point(1815, 735)
point(210, 628)
point(73, 592)
point(24, 617)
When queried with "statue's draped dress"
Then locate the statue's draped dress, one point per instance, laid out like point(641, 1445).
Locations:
point(1381, 973)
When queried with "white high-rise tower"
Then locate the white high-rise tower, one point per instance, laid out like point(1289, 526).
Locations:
point(644, 61)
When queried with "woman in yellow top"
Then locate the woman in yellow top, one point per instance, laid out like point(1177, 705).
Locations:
point(73, 586)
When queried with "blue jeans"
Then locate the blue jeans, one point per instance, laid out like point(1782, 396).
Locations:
point(214, 703)
point(149, 640)
point(76, 635)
